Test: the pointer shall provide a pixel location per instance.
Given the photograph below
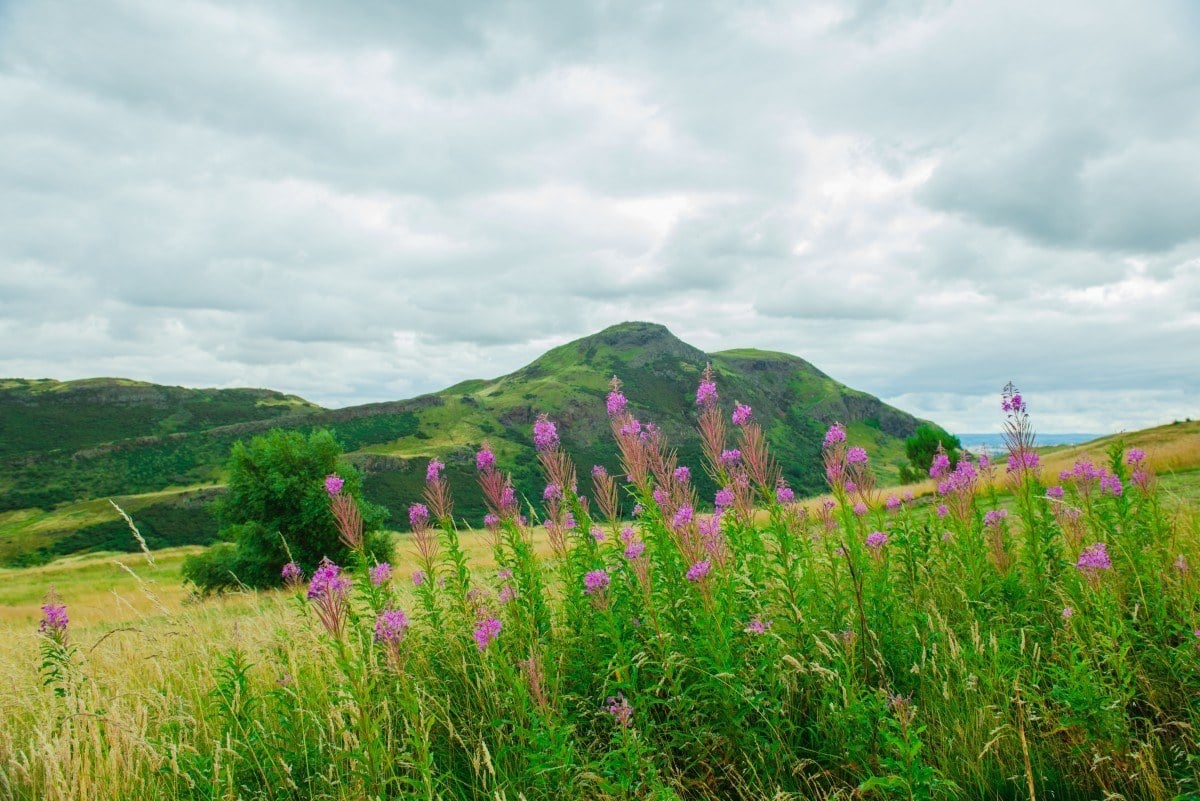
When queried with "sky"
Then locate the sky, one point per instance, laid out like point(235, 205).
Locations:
point(366, 201)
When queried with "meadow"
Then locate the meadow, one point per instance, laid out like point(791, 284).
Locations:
point(1028, 628)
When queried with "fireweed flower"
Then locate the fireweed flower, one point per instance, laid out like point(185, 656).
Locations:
point(507, 593)
point(328, 590)
point(706, 394)
point(942, 510)
point(660, 496)
point(860, 508)
point(334, 484)
point(545, 434)
point(418, 515)
point(54, 619)
point(553, 492)
point(1110, 484)
point(491, 522)
point(724, 498)
point(892, 504)
point(699, 571)
point(293, 576)
point(381, 574)
point(1135, 456)
point(418, 578)
point(597, 534)
point(433, 471)
point(857, 456)
point(1094, 559)
point(1023, 461)
point(634, 550)
point(876, 540)
point(627, 535)
point(1055, 492)
point(757, 626)
point(742, 415)
point(834, 435)
point(994, 517)
point(508, 498)
point(682, 475)
point(638, 509)
point(731, 457)
point(940, 466)
point(485, 460)
point(617, 404)
point(595, 582)
point(784, 494)
point(486, 632)
point(390, 626)
point(683, 516)
point(620, 710)
point(1067, 612)
point(598, 471)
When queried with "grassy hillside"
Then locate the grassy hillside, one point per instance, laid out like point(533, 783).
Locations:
point(133, 439)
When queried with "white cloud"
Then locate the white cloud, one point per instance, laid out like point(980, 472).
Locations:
point(925, 200)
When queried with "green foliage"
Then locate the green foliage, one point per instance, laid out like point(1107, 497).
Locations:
point(276, 510)
point(922, 446)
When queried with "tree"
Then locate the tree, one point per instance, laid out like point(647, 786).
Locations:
point(276, 495)
point(922, 446)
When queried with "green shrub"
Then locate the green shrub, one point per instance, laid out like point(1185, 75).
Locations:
point(277, 511)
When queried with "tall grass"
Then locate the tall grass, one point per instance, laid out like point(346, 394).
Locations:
point(1010, 639)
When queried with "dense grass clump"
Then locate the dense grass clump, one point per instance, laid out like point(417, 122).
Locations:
point(1012, 639)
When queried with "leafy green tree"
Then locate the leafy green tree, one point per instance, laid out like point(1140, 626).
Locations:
point(277, 495)
point(921, 447)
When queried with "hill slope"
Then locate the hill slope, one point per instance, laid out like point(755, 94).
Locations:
point(177, 440)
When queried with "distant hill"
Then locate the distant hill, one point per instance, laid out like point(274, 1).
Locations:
point(65, 443)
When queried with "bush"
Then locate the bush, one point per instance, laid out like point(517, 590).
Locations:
point(277, 510)
point(921, 448)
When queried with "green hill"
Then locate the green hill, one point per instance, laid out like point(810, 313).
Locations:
point(68, 443)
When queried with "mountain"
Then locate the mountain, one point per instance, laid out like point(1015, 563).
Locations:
point(163, 448)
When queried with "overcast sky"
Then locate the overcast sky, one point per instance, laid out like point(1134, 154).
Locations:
point(369, 200)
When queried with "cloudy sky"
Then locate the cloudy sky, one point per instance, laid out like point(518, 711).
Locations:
point(370, 200)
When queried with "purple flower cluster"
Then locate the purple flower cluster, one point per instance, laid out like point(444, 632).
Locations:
point(545, 434)
point(434, 470)
point(617, 404)
point(857, 456)
point(742, 415)
point(598, 471)
point(784, 494)
point(634, 550)
point(682, 475)
point(1110, 484)
point(731, 457)
point(994, 517)
point(757, 626)
point(485, 460)
point(1094, 559)
point(292, 575)
point(1013, 403)
point(683, 516)
point(54, 619)
point(418, 577)
point(834, 435)
point(381, 574)
point(334, 484)
point(961, 480)
point(1023, 461)
point(390, 626)
point(327, 581)
point(486, 632)
point(620, 710)
point(699, 571)
point(892, 504)
point(1055, 492)
point(724, 498)
point(940, 466)
point(553, 492)
point(1135, 456)
point(595, 582)
point(876, 540)
point(706, 394)
point(418, 515)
